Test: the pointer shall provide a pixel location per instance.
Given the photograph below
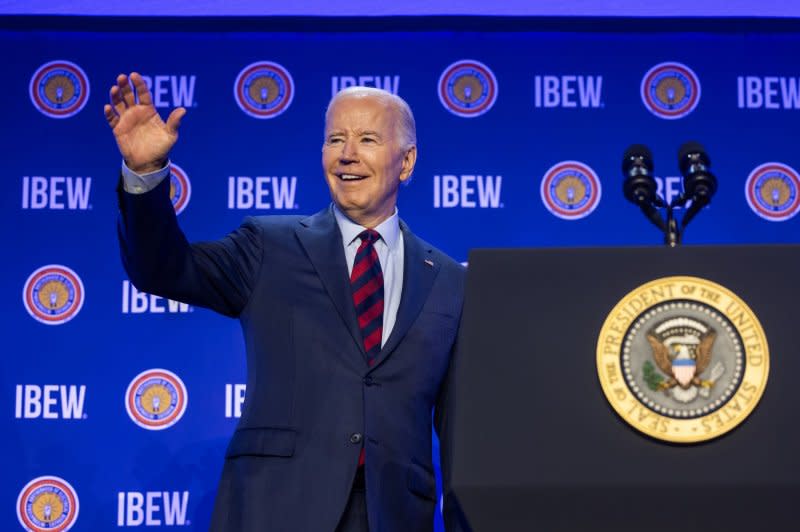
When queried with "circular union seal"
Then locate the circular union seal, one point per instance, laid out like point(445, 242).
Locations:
point(47, 503)
point(59, 89)
point(263, 89)
point(467, 88)
point(682, 359)
point(670, 90)
point(180, 188)
point(570, 190)
point(772, 191)
point(156, 399)
point(53, 294)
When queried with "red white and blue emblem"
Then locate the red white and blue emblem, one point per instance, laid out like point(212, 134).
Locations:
point(467, 88)
point(263, 89)
point(47, 504)
point(670, 90)
point(59, 89)
point(180, 188)
point(570, 190)
point(53, 294)
point(772, 191)
point(156, 399)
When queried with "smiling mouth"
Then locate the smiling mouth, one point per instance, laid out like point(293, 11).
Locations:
point(351, 177)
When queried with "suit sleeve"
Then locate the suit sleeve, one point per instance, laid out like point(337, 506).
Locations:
point(219, 275)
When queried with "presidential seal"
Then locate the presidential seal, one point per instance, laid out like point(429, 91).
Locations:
point(47, 503)
point(772, 191)
point(467, 88)
point(59, 89)
point(180, 188)
point(156, 399)
point(682, 359)
point(570, 190)
point(263, 89)
point(53, 294)
point(670, 90)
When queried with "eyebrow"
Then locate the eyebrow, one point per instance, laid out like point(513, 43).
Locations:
point(370, 132)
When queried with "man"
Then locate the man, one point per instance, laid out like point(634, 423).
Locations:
point(349, 320)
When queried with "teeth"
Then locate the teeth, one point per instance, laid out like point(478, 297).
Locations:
point(351, 177)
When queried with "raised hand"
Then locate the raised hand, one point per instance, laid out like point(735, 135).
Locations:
point(143, 138)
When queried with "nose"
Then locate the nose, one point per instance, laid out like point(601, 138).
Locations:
point(349, 152)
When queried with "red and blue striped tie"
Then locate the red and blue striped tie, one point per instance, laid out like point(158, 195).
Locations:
point(366, 281)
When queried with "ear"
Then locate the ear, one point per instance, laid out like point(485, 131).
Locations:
point(409, 160)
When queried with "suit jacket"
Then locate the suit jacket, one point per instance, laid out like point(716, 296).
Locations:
point(312, 401)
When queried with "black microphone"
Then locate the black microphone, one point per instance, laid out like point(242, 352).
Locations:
point(639, 185)
point(699, 184)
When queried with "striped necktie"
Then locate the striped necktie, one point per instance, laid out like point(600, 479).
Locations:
point(366, 282)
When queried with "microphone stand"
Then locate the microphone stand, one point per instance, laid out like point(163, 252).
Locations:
point(672, 233)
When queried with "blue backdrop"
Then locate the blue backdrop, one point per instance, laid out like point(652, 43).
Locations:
point(498, 114)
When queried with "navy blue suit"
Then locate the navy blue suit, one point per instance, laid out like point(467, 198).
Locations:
point(312, 401)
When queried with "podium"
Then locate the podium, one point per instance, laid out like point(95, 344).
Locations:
point(537, 446)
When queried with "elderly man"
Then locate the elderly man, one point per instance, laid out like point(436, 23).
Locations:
point(349, 319)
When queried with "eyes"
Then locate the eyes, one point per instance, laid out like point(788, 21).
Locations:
point(334, 140)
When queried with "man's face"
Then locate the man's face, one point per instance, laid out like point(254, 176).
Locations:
point(363, 160)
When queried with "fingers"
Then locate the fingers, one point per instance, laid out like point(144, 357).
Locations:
point(125, 90)
point(141, 89)
point(174, 119)
point(111, 116)
point(115, 95)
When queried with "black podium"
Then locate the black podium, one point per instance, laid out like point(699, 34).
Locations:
point(536, 445)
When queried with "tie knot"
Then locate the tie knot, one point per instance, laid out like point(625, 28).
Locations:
point(369, 236)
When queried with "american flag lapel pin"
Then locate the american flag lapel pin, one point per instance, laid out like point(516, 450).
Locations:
point(429, 262)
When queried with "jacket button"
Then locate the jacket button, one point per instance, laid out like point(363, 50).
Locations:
point(356, 437)
point(368, 380)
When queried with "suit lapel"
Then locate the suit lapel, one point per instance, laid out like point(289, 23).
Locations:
point(320, 236)
point(418, 277)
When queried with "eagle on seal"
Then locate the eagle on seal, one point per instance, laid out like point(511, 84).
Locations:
point(683, 362)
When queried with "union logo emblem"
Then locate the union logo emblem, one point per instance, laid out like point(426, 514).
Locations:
point(570, 190)
point(156, 399)
point(59, 89)
point(180, 188)
point(47, 504)
point(263, 89)
point(670, 90)
point(53, 294)
point(467, 88)
point(772, 192)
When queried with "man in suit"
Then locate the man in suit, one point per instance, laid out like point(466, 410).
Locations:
point(349, 319)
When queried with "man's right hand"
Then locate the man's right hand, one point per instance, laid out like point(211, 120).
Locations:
point(143, 138)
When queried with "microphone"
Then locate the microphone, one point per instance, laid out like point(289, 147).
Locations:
point(699, 184)
point(639, 185)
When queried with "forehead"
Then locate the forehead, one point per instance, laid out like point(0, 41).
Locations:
point(360, 112)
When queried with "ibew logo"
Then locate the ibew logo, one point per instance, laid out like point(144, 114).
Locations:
point(51, 401)
point(468, 191)
point(171, 91)
point(567, 91)
point(387, 83)
point(768, 92)
point(234, 399)
point(56, 192)
point(137, 302)
point(262, 192)
point(152, 508)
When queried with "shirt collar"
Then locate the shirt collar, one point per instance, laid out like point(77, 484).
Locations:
point(389, 229)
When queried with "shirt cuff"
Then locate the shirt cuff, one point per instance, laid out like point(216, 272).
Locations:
point(134, 183)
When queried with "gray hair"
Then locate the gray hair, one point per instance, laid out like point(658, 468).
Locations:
point(407, 127)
